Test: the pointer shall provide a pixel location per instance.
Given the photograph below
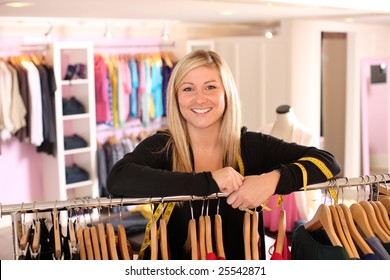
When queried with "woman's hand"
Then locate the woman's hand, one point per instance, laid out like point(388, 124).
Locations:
point(227, 179)
point(254, 191)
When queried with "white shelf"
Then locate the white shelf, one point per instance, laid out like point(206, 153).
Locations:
point(63, 54)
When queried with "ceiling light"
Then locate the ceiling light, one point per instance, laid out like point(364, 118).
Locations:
point(349, 20)
point(165, 33)
point(49, 33)
point(269, 34)
point(19, 4)
point(107, 32)
point(226, 13)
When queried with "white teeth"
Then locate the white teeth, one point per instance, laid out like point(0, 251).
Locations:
point(201, 111)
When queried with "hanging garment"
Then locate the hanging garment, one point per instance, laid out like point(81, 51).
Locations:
point(101, 91)
point(286, 253)
point(315, 245)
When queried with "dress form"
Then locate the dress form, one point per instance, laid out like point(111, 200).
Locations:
point(298, 205)
point(283, 126)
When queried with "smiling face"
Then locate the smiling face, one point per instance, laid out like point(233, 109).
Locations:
point(201, 98)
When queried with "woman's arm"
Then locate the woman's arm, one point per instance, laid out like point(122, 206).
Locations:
point(146, 172)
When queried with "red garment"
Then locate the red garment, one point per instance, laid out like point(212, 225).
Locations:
point(211, 256)
point(286, 253)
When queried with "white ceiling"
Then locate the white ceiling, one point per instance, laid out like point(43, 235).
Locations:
point(198, 11)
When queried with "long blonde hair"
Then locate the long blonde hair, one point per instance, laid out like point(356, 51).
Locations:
point(229, 135)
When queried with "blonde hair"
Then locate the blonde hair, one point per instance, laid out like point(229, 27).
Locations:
point(230, 132)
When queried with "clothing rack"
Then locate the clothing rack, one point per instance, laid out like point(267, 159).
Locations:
point(16, 210)
point(84, 203)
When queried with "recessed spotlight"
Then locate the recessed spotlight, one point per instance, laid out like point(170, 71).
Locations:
point(18, 4)
point(349, 20)
point(226, 13)
point(269, 34)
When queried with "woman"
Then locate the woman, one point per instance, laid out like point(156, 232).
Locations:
point(206, 150)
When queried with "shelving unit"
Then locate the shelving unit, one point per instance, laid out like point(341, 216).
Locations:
point(55, 187)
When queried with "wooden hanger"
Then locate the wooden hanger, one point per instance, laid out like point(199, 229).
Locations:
point(281, 232)
point(209, 236)
point(218, 233)
point(122, 242)
point(385, 215)
point(37, 236)
point(163, 239)
point(122, 237)
point(111, 242)
point(25, 238)
point(102, 241)
point(72, 234)
point(102, 237)
point(218, 236)
point(360, 217)
point(379, 216)
point(339, 231)
point(110, 237)
point(323, 219)
point(194, 239)
point(163, 235)
point(153, 240)
point(209, 240)
point(346, 231)
point(376, 227)
point(80, 239)
point(247, 236)
point(57, 236)
point(386, 202)
point(88, 243)
point(95, 243)
point(202, 234)
point(191, 242)
point(202, 237)
point(356, 236)
point(255, 236)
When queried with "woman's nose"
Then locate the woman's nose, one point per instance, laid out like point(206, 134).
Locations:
point(200, 97)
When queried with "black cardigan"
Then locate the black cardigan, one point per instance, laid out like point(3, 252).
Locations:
point(146, 172)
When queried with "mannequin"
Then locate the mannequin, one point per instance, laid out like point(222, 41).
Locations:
point(298, 205)
point(284, 124)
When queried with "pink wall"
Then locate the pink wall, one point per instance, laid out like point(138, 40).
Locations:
point(377, 120)
point(375, 114)
point(20, 173)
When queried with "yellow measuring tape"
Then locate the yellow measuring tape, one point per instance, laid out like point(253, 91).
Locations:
point(324, 169)
point(168, 208)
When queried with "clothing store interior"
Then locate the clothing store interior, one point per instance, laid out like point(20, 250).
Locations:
point(82, 83)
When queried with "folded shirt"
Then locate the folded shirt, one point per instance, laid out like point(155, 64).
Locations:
point(72, 106)
point(74, 142)
point(75, 174)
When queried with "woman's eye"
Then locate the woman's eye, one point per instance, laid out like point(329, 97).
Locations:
point(211, 87)
point(187, 89)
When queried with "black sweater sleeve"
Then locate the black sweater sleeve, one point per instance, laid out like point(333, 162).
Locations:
point(264, 153)
point(147, 172)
